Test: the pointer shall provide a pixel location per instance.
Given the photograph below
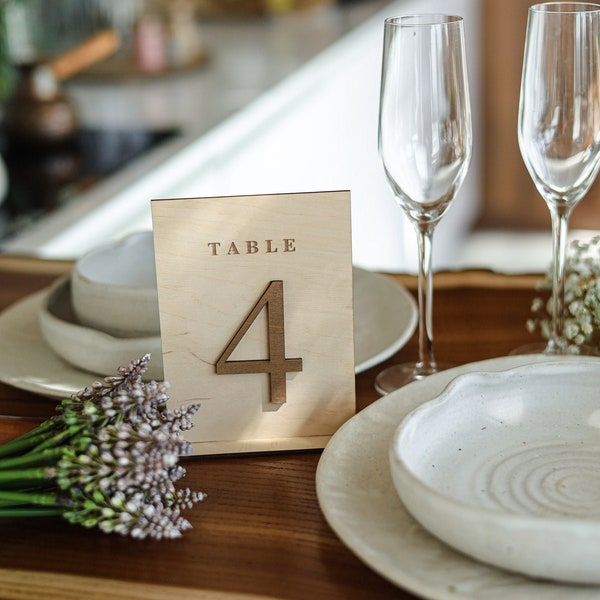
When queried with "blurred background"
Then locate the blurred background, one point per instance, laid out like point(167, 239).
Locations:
point(107, 104)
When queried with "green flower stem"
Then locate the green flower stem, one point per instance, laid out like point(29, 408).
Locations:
point(58, 439)
point(24, 475)
point(35, 498)
point(44, 426)
point(25, 442)
point(24, 498)
point(31, 511)
point(38, 459)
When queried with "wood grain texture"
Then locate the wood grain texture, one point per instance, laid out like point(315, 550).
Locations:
point(216, 260)
point(26, 585)
point(260, 531)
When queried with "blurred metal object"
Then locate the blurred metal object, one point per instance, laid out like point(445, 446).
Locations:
point(39, 111)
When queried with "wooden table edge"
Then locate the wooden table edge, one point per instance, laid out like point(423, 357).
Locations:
point(442, 279)
point(22, 584)
point(479, 278)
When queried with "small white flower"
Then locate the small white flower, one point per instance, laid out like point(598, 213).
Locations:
point(169, 460)
point(582, 299)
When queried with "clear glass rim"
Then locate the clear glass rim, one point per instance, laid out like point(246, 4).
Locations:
point(424, 20)
point(565, 7)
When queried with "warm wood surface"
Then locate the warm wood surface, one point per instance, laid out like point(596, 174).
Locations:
point(220, 254)
point(260, 532)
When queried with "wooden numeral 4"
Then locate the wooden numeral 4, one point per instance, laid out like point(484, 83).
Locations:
point(276, 365)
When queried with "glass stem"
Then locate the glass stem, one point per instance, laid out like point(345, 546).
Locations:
point(560, 225)
point(426, 364)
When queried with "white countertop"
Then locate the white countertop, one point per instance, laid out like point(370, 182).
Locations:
point(253, 73)
point(284, 104)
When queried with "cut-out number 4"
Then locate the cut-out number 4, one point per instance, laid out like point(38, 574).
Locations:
point(276, 365)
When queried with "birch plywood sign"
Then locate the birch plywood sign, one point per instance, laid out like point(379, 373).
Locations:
point(256, 314)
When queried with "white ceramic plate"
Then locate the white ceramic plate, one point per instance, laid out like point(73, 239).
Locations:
point(385, 319)
point(504, 467)
point(27, 362)
point(358, 499)
point(89, 349)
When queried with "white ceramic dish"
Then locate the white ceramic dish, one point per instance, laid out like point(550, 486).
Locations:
point(89, 349)
point(504, 467)
point(28, 363)
point(114, 288)
point(385, 317)
point(357, 496)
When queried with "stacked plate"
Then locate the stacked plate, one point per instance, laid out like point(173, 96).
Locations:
point(106, 313)
point(476, 480)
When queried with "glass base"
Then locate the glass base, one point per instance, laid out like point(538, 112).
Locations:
point(393, 378)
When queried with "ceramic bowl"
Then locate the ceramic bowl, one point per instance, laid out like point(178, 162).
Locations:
point(90, 349)
point(504, 467)
point(114, 288)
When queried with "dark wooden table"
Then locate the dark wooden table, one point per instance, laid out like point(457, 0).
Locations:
point(260, 532)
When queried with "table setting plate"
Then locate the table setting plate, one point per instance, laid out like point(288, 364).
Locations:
point(359, 500)
point(504, 467)
point(385, 319)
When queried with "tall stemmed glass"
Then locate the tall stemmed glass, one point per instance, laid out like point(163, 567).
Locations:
point(425, 146)
point(559, 124)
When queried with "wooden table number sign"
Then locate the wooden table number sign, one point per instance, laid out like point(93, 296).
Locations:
point(256, 316)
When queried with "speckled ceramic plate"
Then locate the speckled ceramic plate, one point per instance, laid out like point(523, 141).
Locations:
point(27, 362)
point(89, 349)
point(385, 319)
point(504, 467)
point(358, 499)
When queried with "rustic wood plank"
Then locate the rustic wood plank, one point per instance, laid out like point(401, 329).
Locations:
point(24, 585)
point(260, 531)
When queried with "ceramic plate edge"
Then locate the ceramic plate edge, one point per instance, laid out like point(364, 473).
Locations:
point(406, 333)
point(82, 378)
point(407, 580)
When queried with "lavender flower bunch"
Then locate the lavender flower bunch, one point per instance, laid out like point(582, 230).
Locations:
point(107, 459)
point(582, 300)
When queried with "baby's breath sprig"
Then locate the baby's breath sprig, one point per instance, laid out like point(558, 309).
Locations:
point(582, 300)
point(107, 459)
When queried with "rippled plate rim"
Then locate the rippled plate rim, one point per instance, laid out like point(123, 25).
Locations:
point(457, 386)
point(358, 499)
point(496, 535)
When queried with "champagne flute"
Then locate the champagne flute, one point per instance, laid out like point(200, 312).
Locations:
point(559, 125)
point(425, 146)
